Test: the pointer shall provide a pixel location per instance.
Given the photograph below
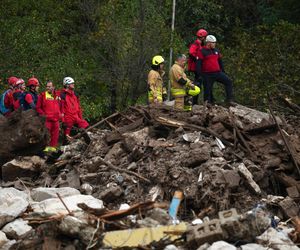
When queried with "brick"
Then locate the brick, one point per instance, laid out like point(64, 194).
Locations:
point(207, 232)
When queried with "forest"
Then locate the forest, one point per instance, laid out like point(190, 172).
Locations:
point(107, 46)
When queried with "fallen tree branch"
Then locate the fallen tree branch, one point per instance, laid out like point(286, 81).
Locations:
point(101, 160)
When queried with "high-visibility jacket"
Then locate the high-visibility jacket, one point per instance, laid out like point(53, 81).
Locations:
point(155, 86)
point(48, 104)
point(194, 53)
point(177, 89)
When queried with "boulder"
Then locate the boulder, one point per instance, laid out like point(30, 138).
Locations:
point(17, 229)
point(13, 203)
point(41, 193)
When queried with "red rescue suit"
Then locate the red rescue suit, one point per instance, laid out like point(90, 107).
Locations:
point(72, 113)
point(48, 105)
point(194, 54)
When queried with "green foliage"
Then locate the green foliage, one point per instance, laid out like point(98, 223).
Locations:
point(107, 46)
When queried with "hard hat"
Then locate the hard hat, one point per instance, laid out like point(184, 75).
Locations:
point(211, 39)
point(19, 82)
point(12, 80)
point(68, 80)
point(157, 60)
point(32, 82)
point(194, 92)
point(201, 33)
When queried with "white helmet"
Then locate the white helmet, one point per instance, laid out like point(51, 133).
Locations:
point(68, 80)
point(211, 39)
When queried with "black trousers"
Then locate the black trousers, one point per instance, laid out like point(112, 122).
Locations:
point(221, 77)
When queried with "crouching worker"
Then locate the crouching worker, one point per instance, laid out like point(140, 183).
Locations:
point(182, 88)
point(48, 105)
point(70, 107)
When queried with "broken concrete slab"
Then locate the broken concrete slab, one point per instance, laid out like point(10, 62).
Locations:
point(289, 207)
point(23, 167)
point(54, 206)
point(17, 229)
point(221, 245)
point(41, 193)
point(254, 246)
point(276, 240)
point(249, 178)
point(13, 203)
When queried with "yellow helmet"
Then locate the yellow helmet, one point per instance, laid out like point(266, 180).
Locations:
point(157, 60)
point(194, 92)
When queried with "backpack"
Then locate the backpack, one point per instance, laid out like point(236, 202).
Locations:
point(3, 109)
point(23, 103)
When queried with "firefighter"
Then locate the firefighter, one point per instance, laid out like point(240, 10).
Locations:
point(48, 105)
point(155, 81)
point(194, 51)
point(182, 88)
point(6, 100)
point(211, 68)
point(70, 108)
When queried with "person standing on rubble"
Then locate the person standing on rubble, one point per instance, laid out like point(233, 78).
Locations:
point(29, 98)
point(48, 105)
point(182, 88)
point(194, 51)
point(70, 108)
point(155, 81)
point(6, 100)
point(211, 69)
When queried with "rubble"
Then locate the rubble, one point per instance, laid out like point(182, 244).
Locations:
point(237, 176)
point(17, 229)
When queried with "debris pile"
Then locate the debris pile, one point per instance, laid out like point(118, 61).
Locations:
point(237, 168)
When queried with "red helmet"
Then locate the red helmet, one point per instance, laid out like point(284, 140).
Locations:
point(201, 33)
point(12, 80)
point(33, 82)
point(19, 82)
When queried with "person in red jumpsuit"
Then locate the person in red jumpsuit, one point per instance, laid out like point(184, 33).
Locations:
point(70, 107)
point(48, 105)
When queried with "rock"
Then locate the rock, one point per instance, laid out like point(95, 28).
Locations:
point(13, 203)
point(86, 188)
point(17, 229)
point(253, 246)
point(159, 215)
point(3, 239)
point(77, 227)
point(111, 193)
point(289, 207)
point(41, 193)
point(221, 245)
point(249, 178)
point(276, 240)
point(9, 245)
point(54, 206)
point(148, 222)
point(170, 247)
point(25, 167)
point(204, 246)
point(293, 192)
point(232, 178)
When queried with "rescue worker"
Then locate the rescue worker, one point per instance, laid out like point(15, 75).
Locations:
point(70, 108)
point(194, 51)
point(29, 99)
point(155, 80)
point(182, 88)
point(6, 100)
point(18, 92)
point(48, 105)
point(211, 68)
